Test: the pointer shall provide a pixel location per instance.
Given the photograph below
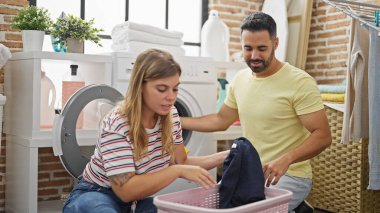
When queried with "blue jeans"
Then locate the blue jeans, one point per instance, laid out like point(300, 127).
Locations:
point(299, 186)
point(90, 197)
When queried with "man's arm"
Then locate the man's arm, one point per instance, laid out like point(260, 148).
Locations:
point(214, 122)
point(319, 139)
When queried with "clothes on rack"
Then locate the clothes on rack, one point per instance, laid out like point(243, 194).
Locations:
point(364, 12)
point(355, 119)
point(374, 110)
point(354, 124)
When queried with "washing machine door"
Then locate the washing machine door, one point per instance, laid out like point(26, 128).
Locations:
point(65, 143)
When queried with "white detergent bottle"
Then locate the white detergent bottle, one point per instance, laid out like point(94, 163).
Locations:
point(215, 38)
point(72, 83)
point(47, 101)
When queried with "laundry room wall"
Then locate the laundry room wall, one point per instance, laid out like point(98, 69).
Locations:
point(326, 61)
point(13, 40)
point(328, 41)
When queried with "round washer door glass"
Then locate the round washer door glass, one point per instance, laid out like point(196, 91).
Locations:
point(64, 130)
point(184, 111)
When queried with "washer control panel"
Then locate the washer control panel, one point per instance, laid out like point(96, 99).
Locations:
point(198, 70)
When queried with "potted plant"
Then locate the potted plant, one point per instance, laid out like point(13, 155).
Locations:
point(71, 29)
point(33, 22)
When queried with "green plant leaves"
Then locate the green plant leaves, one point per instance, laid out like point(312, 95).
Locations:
point(74, 27)
point(32, 18)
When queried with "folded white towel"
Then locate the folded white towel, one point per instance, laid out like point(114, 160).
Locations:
point(147, 28)
point(5, 54)
point(123, 36)
point(137, 47)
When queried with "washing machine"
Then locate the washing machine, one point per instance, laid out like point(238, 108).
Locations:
point(197, 96)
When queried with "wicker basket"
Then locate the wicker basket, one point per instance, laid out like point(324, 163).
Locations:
point(340, 174)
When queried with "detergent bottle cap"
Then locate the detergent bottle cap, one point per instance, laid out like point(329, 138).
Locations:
point(214, 13)
point(74, 69)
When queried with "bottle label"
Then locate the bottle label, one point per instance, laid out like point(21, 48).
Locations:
point(68, 89)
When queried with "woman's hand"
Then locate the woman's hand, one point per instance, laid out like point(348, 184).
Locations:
point(223, 155)
point(196, 174)
point(208, 161)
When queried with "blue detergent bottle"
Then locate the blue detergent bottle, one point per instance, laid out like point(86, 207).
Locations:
point(222, 93)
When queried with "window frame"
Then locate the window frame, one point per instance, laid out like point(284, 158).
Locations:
point(204, 17)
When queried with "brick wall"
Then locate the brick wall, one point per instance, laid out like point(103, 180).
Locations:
point(53, 180)
point(327, 56)
point(328, 41)
point(8, 36)
point(11, 39)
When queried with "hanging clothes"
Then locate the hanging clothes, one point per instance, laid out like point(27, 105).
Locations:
point(243, 178)
point(355, 120)
point(374, 110)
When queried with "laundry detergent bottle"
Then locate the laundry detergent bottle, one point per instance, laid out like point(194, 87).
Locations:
point(215, 38)
point(47, 101)
point(72, 83)
point(222, 92)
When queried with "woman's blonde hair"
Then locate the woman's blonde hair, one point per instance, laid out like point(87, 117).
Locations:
point(152, 64)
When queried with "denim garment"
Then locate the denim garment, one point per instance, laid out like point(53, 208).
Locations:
point(300, 187)
point(88, 197)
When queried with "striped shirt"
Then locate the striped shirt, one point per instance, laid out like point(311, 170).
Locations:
point(113, 153)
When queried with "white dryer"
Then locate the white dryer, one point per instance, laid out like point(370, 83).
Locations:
point(197, 96)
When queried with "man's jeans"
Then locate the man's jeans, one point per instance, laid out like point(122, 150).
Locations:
point(89, 197)
point(299, 186)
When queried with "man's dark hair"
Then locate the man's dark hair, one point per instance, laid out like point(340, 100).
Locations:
point(258, 21)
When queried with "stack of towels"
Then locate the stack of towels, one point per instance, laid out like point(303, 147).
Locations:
point(332, 93)
point(135, 38)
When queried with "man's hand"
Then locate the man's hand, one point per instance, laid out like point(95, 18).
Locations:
point(274, 170)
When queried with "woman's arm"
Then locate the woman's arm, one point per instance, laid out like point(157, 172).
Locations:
point(207, 162)
point(129, 187)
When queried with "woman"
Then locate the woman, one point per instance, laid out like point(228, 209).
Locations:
point(140, 149)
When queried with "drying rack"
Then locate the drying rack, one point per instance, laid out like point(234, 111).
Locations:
point(367, 14)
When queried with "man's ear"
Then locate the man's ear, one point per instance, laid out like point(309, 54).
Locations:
point(276, 40)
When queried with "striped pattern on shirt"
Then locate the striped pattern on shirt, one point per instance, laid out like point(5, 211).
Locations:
point(113, 153)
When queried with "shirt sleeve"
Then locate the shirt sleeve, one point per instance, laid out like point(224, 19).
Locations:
point(115, 148)
point(177, 128)
point(230, 100)
point(307, 98)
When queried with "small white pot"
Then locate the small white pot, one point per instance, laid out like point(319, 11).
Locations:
point(32, 40)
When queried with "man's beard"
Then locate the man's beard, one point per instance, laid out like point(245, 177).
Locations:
point(264, 64)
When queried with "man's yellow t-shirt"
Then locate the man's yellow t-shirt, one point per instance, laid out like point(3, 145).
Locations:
point(268, 110)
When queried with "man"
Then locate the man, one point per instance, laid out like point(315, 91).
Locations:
point(280, 110)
